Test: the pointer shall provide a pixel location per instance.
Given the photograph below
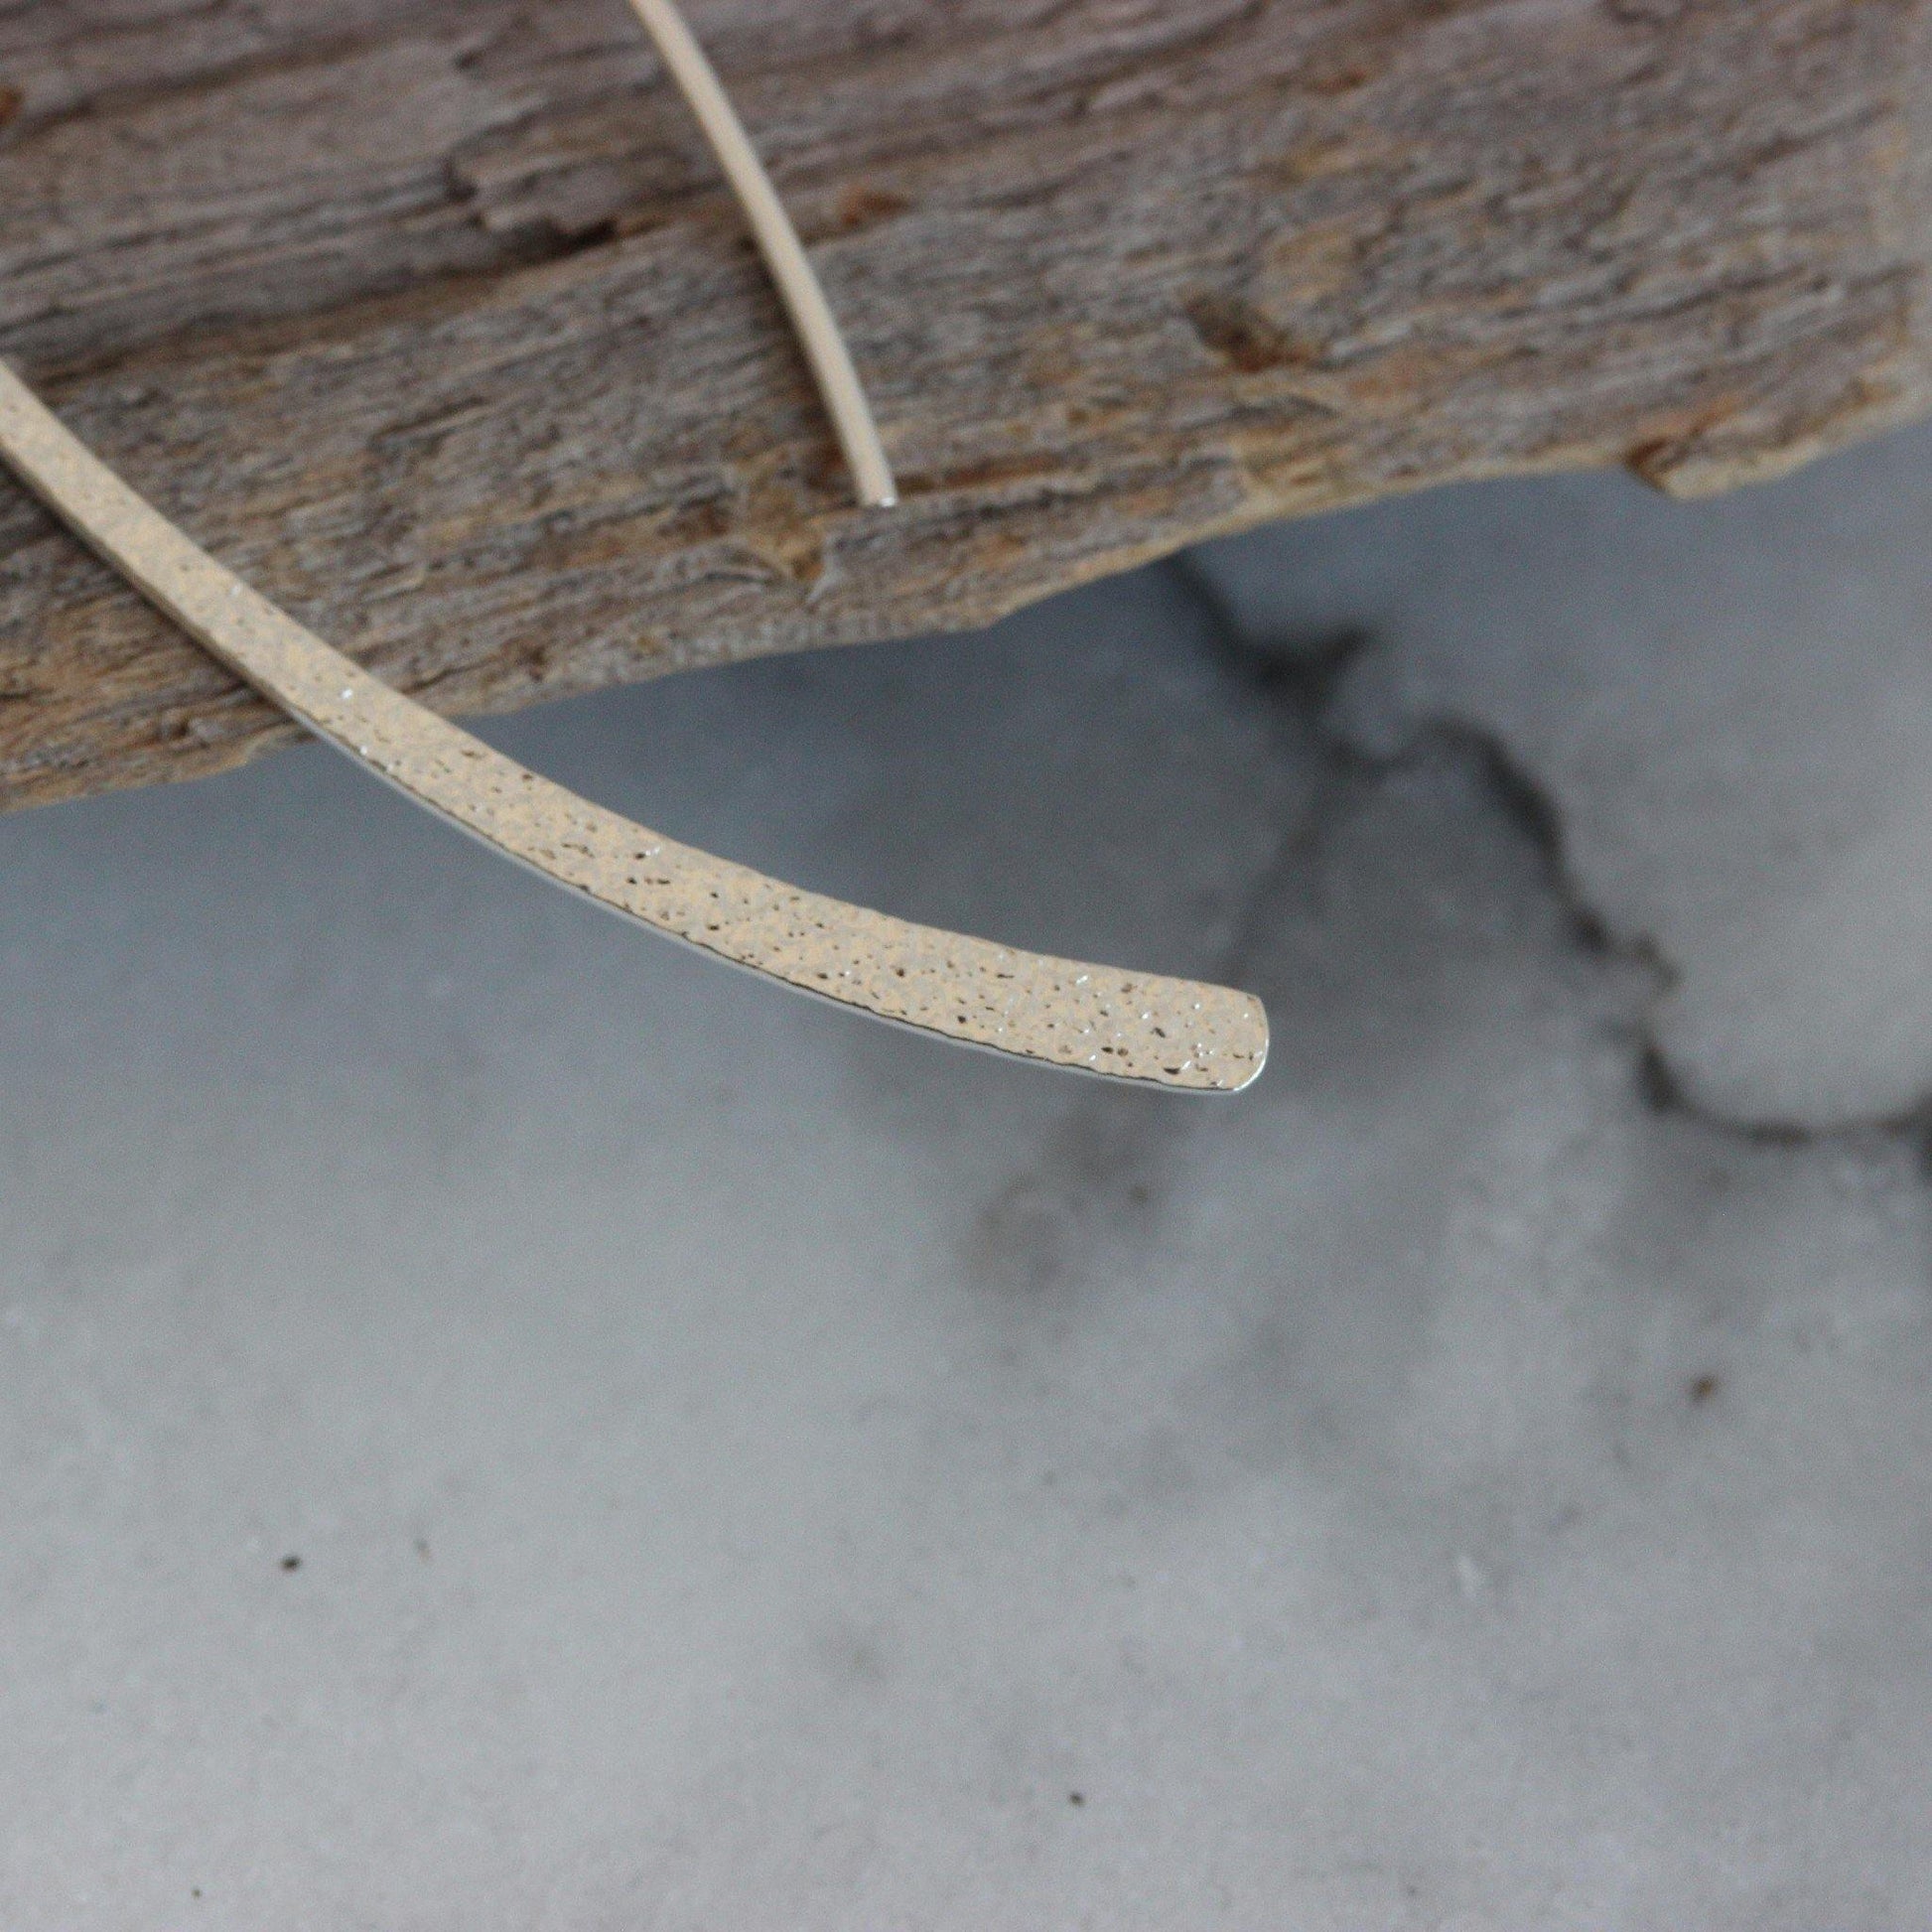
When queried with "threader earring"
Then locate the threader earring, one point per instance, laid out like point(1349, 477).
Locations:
point(1136, 1027)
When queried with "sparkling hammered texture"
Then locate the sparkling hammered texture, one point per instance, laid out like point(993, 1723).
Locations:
point(1135, 1027)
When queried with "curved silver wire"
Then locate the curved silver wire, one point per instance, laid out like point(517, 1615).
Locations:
point(811, 315)
point(1094, 1018)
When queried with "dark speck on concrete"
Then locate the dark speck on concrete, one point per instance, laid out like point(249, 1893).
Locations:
point(1703, 1388)
point(291, 1563)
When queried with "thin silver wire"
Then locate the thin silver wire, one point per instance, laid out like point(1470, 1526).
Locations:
point(798, 286)
point(1086, 1017)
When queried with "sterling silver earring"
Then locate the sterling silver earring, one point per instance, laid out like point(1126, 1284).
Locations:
point(1135, 1027)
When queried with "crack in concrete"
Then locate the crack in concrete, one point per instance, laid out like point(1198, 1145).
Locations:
point(1301, 677)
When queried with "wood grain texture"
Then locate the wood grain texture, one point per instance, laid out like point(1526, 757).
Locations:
point(435, 321)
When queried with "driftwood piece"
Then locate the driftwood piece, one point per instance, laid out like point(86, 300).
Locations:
point(435, 321)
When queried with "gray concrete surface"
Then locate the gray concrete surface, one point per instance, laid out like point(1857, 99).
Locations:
point(506, 1425)
point(1729, 706)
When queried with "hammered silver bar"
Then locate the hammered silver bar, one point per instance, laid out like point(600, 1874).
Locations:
point(1129, 1025)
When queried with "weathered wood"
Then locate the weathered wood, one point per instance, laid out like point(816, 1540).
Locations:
point(435, 321)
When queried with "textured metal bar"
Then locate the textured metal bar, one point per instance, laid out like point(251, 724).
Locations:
point(1094, 1018)
point(811, 315)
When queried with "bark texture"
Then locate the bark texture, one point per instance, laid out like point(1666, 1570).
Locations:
point(436, 321)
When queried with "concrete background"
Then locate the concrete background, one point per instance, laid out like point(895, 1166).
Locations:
point(505, 1425)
